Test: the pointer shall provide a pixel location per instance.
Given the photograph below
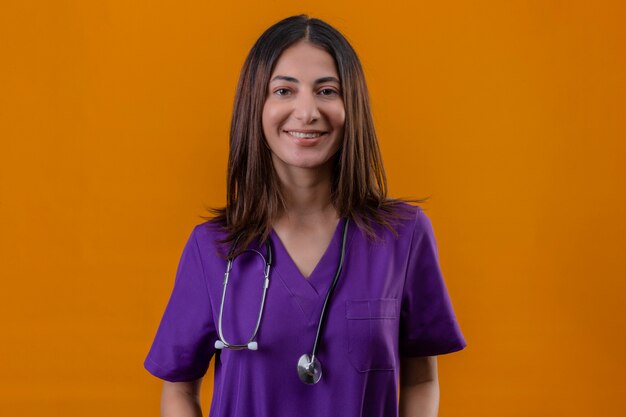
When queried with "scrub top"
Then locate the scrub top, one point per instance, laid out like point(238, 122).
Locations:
point(390, 301)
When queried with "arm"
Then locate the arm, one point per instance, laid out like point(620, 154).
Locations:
point(419, 387)
point(181, 399)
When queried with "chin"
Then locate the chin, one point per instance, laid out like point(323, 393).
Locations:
point(305, 164)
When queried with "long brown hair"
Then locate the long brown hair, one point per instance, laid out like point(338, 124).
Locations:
point(359, 186)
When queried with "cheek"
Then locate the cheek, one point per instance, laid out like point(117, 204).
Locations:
point(265, 119)
point(339, 117)
point(272, 116)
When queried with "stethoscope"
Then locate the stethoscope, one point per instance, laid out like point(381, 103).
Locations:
point(309, 366)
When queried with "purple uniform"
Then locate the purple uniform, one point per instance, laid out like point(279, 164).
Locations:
point(390, 301)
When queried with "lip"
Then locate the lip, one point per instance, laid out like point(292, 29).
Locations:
point(306, 142)
point(304, 130)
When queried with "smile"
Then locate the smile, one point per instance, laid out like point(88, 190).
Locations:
point(305, 135)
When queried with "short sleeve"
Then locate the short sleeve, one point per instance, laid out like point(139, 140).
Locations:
point(183, 345)
point(428, 325)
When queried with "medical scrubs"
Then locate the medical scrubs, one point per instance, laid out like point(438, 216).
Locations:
point(390, 301)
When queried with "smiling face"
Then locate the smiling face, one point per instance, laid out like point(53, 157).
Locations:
point(303, 115)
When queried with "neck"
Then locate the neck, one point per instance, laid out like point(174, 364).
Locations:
point(307, 194)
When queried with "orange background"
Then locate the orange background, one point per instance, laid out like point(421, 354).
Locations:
point(114, 118)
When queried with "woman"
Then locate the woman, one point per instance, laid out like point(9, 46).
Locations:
point(355, 297)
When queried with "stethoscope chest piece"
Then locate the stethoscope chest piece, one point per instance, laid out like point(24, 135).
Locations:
point(309, 370)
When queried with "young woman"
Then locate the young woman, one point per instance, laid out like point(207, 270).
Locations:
point(334, 303)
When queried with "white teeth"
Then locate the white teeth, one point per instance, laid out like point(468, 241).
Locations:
point(305, 135)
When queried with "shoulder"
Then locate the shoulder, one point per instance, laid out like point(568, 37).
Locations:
point(208, 236)
point(423, 224)
point(209, 229)
point(409, 219)
point(413, 227)
point(398, 225)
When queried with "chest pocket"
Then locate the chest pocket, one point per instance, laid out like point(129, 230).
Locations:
point(372, 333)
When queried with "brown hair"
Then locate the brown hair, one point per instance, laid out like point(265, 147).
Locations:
point(359, 185)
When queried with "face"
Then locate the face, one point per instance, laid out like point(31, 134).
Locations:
point(304, 115)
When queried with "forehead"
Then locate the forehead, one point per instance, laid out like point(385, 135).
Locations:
point(305, 61)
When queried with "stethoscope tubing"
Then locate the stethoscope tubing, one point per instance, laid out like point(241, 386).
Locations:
point(309, 368)
point(222, 342)
point(330, 290)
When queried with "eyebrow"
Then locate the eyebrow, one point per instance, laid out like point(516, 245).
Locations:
point(295, 80)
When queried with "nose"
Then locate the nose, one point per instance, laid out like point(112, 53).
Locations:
point(306, 109)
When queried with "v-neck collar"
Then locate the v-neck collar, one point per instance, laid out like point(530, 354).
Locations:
point(308, 291)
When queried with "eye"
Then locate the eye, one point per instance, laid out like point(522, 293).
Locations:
point(328, 92)
point(282, 92)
